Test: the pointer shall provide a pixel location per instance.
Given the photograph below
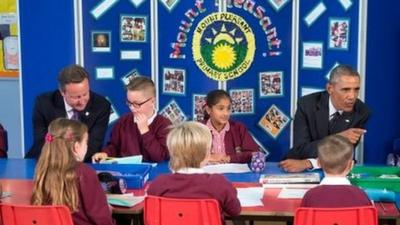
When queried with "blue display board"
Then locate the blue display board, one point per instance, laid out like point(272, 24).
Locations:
point(330, 28)
point(116, 44)
point(194, 44)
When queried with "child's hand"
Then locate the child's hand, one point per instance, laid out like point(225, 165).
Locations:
point(141, 122)
point(219, 158)
point(98, 157)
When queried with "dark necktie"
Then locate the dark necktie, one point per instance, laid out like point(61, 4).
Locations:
point(333, 121)
point(75, 115)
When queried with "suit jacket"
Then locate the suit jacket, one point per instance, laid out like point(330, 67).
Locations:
point(50, 106)
point(311, 123)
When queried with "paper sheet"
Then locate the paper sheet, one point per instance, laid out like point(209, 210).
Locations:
point(250, 196)
point(292, 193)
point(227, 168)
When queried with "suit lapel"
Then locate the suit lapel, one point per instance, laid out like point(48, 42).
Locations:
point(60, 105)
point(322, 112)
point(85, 114)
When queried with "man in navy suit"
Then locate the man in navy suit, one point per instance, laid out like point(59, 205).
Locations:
point(334, 111)
point(73, 100)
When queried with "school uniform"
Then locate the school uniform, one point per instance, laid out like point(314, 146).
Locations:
point(194, 183)
point(335, 192)
point(238, 143)
point(93, 208)
point(126, 139)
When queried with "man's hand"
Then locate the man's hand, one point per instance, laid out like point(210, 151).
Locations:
point(295, 165)
point(219, 158)
point(98, 157)
point(353, 134)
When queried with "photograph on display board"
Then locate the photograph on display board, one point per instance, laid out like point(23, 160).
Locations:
point(312, 55)
point(339, 33)
point(129, 76)
point(271, 83)
point(278, 4)
point(199, 104)
point(133, 28)
point(273, 121)
point(173, 112)
point(174, 81)
point(101, 41)
point(328, 74)
point(11, 53)
point(242, 101)
point(169, 4)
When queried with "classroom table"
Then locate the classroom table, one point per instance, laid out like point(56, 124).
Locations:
point(16, 176)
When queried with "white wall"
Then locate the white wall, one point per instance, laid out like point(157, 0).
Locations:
point(10, 115)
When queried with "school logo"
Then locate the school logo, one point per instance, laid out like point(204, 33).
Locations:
point(223, 46)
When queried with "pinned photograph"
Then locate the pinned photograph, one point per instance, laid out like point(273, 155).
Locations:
point(278, 4)
point(312, 55)
point(173, 112)
point(169, 4)
point(101, 41)
point(199, 103)
point(339, 29)
point(129, 76)
point(273, 121)
point(271, 83)
point(11, 53)
point(133, 28)
point(242, 101)
point(114, 115)
point(174, 81)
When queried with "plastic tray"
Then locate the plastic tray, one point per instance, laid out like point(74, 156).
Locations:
point(374, 177)
point(135, 175)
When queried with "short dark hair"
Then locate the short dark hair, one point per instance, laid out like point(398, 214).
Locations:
point(334, 152)
point(342, 70)
point(71, 74)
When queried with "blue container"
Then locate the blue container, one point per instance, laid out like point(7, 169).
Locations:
point(135, 175)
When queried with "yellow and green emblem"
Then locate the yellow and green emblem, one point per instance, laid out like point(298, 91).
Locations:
point(223, 46)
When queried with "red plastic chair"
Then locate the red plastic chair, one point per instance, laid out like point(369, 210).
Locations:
point(168, 211)
point(34, 215)
point(366, 215)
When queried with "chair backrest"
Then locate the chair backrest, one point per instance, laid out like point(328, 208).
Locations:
point(34, 215)
point(3, 142)
point(366, 215)
point(167, 211)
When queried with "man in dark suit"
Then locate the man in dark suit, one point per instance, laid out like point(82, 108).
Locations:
point(334, 111)
point(73, 100)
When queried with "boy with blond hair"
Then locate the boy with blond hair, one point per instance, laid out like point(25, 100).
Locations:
point(189, 146)
point(141, 131)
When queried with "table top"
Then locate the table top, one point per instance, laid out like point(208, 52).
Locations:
point(19, 173)
point(24, 169)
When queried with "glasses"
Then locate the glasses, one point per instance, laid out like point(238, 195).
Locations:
point(136, 105)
